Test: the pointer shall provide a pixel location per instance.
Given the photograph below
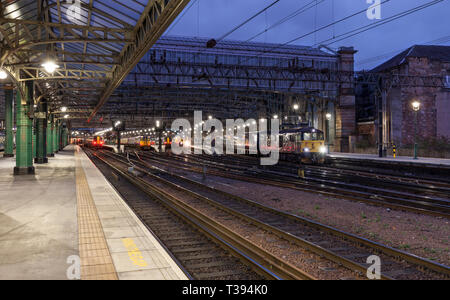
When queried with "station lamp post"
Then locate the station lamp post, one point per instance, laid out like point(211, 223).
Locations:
point(328, 117)
point(296, 108)
point(119, 126)
point(416, 108)
point(159, 131)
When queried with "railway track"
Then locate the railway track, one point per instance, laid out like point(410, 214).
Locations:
point(414, 171)
point(424, 199)
point(342, 249)
point(204, 248)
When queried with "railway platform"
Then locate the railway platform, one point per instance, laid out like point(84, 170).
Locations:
point(68, 222)
point(422, 161)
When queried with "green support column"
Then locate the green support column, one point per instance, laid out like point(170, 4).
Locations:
point(50, 137)
point(41, 134)
point(54, 136)
point(34, 140)
point(64, 137)
point(58, 137)
point(24, 161)
point(9, 146)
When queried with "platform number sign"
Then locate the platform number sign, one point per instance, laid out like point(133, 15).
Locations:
point(74, 270)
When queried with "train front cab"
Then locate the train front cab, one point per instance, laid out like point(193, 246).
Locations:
point(98, 142)
point(313, 148)
point(304, 145)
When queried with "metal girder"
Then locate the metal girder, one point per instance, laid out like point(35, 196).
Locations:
point(96, 47)
point(32, 73)
point(267, 78)
point(20, 34)
point(157, 17)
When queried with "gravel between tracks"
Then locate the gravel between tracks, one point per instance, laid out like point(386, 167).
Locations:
point(307, 261)
point(422, 235)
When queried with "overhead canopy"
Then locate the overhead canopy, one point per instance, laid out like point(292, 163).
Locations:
point(95, 44)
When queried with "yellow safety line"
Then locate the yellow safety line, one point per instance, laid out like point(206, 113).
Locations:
point(96, 261)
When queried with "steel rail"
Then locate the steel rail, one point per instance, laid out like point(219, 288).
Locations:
point(439, 268)
point(348, 194)
point(260, 260)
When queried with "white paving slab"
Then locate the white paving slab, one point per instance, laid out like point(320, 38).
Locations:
point(136, 253)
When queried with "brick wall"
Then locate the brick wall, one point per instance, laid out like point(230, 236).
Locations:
point(428, 114)
point(346, 110)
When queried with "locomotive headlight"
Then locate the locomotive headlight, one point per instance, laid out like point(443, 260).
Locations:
point(323, 149)
point(306, 150)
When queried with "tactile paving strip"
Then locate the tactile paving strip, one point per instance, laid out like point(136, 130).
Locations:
point(96, 261)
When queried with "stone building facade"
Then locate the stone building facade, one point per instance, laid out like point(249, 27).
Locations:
point(434, 115)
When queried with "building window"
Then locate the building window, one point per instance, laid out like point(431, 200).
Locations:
point(447, 82)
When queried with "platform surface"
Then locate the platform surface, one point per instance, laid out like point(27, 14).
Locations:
point(67, 210)
point(399, 159)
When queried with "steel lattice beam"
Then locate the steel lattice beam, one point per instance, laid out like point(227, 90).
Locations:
point(157, 17)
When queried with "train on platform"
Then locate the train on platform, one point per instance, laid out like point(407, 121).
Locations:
point(96, 142)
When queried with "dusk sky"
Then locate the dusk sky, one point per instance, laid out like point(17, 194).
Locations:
point(214, 18)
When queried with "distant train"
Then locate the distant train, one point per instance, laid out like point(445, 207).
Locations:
point(149, 142)
point(306, 145)
point(301, 145)
point(95, 142)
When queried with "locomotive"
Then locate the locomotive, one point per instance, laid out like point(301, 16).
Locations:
point(305, 145)
point(148, 142)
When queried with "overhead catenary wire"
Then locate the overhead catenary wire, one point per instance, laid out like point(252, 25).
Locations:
point(271, 50)
point(361, 29)
point(180, 17)
point(240, 25)
point(247, 21)
point(287, 18)
point(368, 27)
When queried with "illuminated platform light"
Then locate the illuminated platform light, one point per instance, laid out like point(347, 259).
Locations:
point(63, 109)
point(3, 75)
point(50, 66)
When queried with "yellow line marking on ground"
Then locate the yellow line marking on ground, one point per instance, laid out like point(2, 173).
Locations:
point(96, 261)
point(134, 253)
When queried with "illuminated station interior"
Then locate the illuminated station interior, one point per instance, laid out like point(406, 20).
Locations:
point(128, 153)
